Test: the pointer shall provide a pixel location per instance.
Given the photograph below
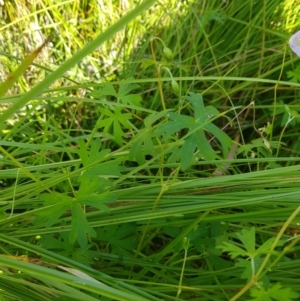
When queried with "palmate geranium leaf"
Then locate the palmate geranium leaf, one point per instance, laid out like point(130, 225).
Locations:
point(143, 143)
point(118, 133)
point(247, 237)
point(126, 97)
point(202, 124)
point(233, 250)
point(274, 292)
point(89, 185)
point(99, 200)
point(93, 192)
point(177, 123)
point(197, 127)
point(187, 152)
point(88, 157)
point(104, 90)
point(120, 238)
point(126, 88)
point(80, 227)
point(123, 95)
point(221, 136)
point(109, 168)
point(200, 111)
point(115, 119)
point(132, 99)
point(55, 204)
point(106, 122)
point(196, 140)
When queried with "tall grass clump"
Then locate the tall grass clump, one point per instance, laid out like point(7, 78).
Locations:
point(149, 150)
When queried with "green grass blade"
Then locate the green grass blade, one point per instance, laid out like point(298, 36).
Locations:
point(13, 77)
point(40, 272)
point(38, 89)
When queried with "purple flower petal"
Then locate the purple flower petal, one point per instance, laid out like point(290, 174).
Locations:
point(295, 42)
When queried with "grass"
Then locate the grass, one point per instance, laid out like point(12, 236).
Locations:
point(147, 159)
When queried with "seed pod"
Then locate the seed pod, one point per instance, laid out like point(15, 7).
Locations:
point(185, 243)
point(175, 86)
point(168, 53)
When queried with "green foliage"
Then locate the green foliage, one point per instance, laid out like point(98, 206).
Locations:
point(294, 75)
point(61, 244)
point(115, 119)
point(123, 94)
point(120, 239)
point(197, 127)
point(259, 147)
point(247, 238)
point(143, 143)
point(275, 292)
point(93, 191)
point(249, 251)
point(108, 186)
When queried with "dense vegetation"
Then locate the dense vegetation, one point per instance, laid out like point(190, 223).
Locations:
point(149, 150)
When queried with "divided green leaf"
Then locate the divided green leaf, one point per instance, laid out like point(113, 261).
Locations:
point(274, 292)
point(115, 120)
point(198, 127)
